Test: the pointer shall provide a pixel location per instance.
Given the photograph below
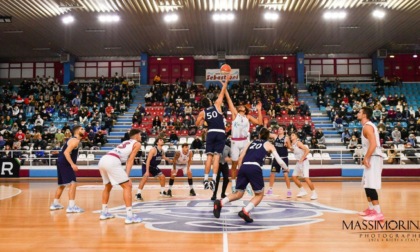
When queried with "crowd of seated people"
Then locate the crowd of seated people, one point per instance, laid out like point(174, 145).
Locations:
point(171, 109)
point(398, 123)
point(41, 113)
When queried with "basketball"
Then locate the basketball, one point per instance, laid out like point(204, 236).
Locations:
point(225, 69)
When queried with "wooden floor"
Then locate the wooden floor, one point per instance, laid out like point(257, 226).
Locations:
point(185, 223)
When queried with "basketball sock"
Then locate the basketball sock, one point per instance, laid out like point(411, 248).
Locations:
point(206, 177)
point(224, 201)
point(71, 203)
point(370, 205)
point(190, 182)
point(56, 201)
point(129, 211)
point(162, 189)
point(138, 190)
point(233, 182)
point(302, 189)
point(171, 182)
point(214, 177)
point(249, 207)
point(105, 208)
point(377, 208)
point(313, 191)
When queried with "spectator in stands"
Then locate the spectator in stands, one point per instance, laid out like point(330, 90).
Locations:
point(76, 101)
point(345, 136)
point(291, 128)
point(59, 137)
point(338, 123)
point(320, 101)
point(156, 123)
point(126, 136)
point(99, 139)
point(144, 136)
point(352, 143)
point(39, 124)
point(404, 135)
point(197, 144)
point(301, 135)
point(307, 128)
point(51, 131)
point(173, 138)
point(109, 110)
point(412, 140)
point(157, 79)
point(304, 109)
point(377, 114)
point(394, 157)
point(396, 136)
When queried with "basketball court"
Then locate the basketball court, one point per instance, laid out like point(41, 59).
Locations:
point(185, 223)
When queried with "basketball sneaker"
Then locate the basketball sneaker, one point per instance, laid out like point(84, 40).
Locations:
point(289, 194)
point(217, 208)
point(213, 198)
point(249, 190)
point(245, 216)
point(233, 189)
point(212, 185)
point(374, 217)
point(302, 193)
point(139, 197)
point(269, 192)
point(74, 209)
point(192, 192)
point(206, 184)
point(169, 193)
point(314, 196)
point(56, 207)
point(164, 194)
point(367, 212)
point(106, 215)
point(133, 219)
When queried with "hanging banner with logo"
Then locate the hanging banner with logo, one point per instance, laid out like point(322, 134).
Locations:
point(215, 75)
point(9, 168)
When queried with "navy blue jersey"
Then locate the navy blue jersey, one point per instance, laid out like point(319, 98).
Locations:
point(214, 119)
point(280, 144)
point(74, 153)
point(256, 152)
point(156, 158)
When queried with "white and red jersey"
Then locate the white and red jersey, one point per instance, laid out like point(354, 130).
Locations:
point(183, 158)
point(240, 127)
point(123, 150)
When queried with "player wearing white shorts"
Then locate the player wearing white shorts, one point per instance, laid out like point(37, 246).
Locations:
point(302, 167)
point(373, 161)
point(240, 132)
point(182, 161)
point(113, 173)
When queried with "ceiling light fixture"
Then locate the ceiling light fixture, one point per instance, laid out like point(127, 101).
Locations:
point(67, 19)
point(332, 45)
point(392, 56)
point(171, 18)
point(223, 17)
point(108, 18)
point(379, 14)
point(271, 16)
point(262, 58)
point(257, 46)
point(335, 15)
point(181, 58)
point(350, 27)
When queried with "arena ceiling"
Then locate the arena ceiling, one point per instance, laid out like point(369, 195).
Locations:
point(36, 28)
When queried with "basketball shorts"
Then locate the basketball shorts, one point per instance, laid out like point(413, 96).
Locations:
point(236, 148)
point(112, 171)
point(154, 171)
point(215, 142)
point(275, 167)
point(302, 169)
point(252, 174)
point(372, 177)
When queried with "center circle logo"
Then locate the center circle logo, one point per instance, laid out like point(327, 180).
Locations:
point(196, 216)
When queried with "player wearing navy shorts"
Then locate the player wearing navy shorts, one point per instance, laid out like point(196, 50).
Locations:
point(113, 173)
point(250, 163)
point(150, 167)
point(216, 134)
point(282, 143)
point(66, 171)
